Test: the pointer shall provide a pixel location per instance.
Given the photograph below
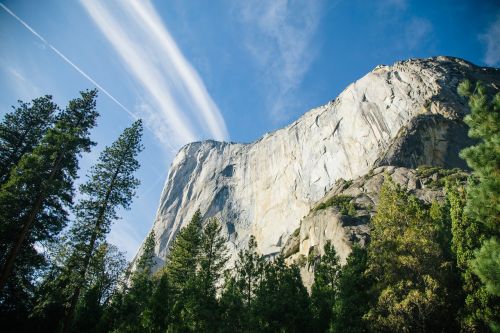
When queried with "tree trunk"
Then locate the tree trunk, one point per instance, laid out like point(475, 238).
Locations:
point(28, 223)
point(68, 319)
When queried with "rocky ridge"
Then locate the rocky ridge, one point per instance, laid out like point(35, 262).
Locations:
point(343, 215)
point(407, 114)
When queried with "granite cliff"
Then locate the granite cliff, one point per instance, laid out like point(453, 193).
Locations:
point(407, 114)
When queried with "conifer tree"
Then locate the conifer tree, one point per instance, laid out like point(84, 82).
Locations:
point(182, 259)
point(237, 300)
point(135, 299)
point(212, 259)
point(22, 129)
point(482, 210)
point(105, 271)
point(157, 316)
point(33, 200)
point(352, 300)
point(325, 287)
point(181, 269)
point(249, 271)
point(111, 184)
point(483, 194)
point(145, 264)
point(467, 236)
point(282, 302)
point(232, 308)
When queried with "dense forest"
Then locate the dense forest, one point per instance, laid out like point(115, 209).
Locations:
point(427, 268)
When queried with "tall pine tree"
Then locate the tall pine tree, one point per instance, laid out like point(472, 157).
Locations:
point(212, 260)
point(157, 316)
point(481, 213)
point(239, 290)
point(181, 269)
point(111, 184)
point(34, 199)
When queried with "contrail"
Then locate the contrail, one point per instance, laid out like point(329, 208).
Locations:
point(78, 69)
point(68, 61)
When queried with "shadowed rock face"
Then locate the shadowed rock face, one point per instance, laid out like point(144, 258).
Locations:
point(429, 139)
point(405, 114)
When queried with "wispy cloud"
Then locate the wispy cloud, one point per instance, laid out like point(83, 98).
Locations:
point(492, 40)
point(279, 35)
point(183, 107)
point(25, 89)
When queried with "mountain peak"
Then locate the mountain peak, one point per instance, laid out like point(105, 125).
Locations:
point(406, 114)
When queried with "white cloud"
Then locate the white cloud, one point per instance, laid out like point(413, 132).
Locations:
point(492, 40)
point(279, 36)
point(150, 54)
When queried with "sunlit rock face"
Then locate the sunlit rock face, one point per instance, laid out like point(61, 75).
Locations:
point(407, 114)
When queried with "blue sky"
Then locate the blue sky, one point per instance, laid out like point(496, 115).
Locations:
point(227, 70)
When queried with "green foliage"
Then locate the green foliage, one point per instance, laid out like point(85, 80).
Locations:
point(260, 296)
point(34, 200)
point(194, 267)
point(440, 176)
point(133, 308)
point(344, 203)
point(249, 269)
point(181, 269)
point(240, 288)
point(103, 277)
point(234, 314)
point(486, 265)
point(213, 257)
point(22, 129)
point(467, 235)
point(111, 184)
point(281, 302)
point(157, 315)
point(146, 261)
point(477, 212)
point(406, 262)
point(483, 196)
point(182, 258)
point(104, 273)
point(428, 268)
point(211, 262)
point(347, 184)
point(325, 287)
point(352, 300)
